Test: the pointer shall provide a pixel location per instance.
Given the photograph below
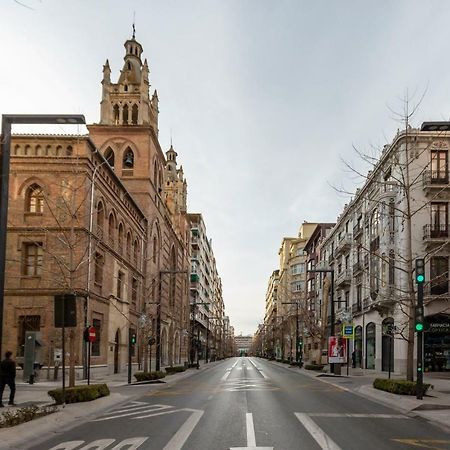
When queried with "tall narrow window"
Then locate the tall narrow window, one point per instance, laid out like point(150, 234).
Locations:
point(136, 252)
point(120, 280)
point(134, 114)
point(128, 159)
point(32, 261)
point(155, 245)
point(391, 267)
point(116, 114)
point(98, 269)
point(111, 226)
point(439, 166)
point(134, 292)
point(120, 239)
point(439, 275)
point(125, 115)
point(100, 219)
point(128, 245)
point(35, 199)
point(439, 219)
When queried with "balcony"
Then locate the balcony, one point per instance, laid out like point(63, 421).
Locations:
point(357, 267)
point(388, 189)
point(357, 307)
point(357, 231)
point(366, 303)
point(435, 180)
point(331, 259)
point(344, 243)
point(344, 278)
point(435, 233)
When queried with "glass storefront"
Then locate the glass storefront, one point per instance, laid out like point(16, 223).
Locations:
point(370, 346)
point(437, 343)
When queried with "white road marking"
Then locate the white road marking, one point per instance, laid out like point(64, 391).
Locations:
point(324, 441)
point(251, 437)
point(150, 408)
point(259, 370)
point(162, 413)
point(182, 435)
point(130, 444)
point(68, 445)
point(99, 444)
point(135, 408)
point(372, 416)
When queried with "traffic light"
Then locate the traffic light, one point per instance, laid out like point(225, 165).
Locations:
point(132, 338)
point(420, 270)
point(420, 319)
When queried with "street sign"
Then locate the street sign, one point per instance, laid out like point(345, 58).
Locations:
point(348, 331)
point(92, 335)
point(151, 340)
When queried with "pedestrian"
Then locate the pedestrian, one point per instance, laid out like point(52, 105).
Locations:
point(354, 358)
point(7, 377)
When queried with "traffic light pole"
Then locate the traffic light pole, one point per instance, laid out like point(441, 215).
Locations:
point(129, 356)
point(419, 389)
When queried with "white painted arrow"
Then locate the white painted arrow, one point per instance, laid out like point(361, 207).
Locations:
point(251, 438)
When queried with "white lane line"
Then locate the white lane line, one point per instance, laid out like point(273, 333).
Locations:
point(251, 438)
point(259, 370)
point(324, 441)
point(181, 436)
point(372, 416)
point(225, 376)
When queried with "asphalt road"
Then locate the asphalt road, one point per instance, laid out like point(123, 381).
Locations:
point(249, 403)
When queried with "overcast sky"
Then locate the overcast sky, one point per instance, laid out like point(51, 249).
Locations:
point(262, 99)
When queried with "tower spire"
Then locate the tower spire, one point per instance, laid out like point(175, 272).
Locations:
point(134, 21)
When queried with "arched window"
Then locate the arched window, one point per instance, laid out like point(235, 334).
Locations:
point(69, 150)
point(155, 245)
point(120, 238)
point(136, 251)
point(129, 64)
point(59, 151)
point(155, 174)
point(100, 219)
point(39, 151)
point(128, 245)
point(27, 150)
point(374, 224)
point(125, 88)
point(109, 156)
point(134, 114)
point(111, 226)
point(35, 199)
point(370, 346)
point(17, 150)
point(116, 114)
point(125, 115)
point(128, 158)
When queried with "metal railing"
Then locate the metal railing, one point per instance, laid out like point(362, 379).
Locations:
point(435, 231)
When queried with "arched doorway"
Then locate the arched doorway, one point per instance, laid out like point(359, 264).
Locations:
point(370, 346)
point(387, 345)
point(116, 351)
point(358, 345)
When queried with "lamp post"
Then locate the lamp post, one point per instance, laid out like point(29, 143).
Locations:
point(332, 312)
point(7, 121)
point(158, 314)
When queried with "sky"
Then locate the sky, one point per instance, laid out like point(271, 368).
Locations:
point(263, 100)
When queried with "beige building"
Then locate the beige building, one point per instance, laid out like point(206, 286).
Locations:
point(372, 253)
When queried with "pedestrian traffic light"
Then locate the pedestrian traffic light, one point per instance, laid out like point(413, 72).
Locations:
point(420, 270)
point(419, 319)
point(132, 338)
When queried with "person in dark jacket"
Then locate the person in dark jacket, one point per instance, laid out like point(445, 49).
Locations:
point(7, 377)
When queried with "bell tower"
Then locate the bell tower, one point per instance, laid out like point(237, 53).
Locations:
point(128, 102)
point(175, 186)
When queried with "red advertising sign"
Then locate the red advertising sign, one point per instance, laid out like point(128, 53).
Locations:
point(92, 336)
point(337, 350)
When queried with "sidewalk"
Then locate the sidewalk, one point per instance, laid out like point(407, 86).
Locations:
point(19, 436)
point(435, 406)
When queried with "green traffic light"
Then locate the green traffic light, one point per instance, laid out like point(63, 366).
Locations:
point(419, 326)
point(420, 278)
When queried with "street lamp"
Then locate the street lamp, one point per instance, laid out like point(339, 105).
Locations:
point(332, 312)
point(7, 121)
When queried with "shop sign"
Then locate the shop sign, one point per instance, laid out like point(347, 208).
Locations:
point(436, 327)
